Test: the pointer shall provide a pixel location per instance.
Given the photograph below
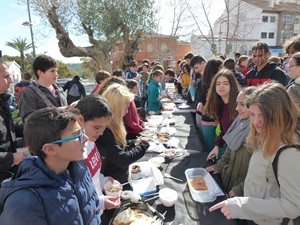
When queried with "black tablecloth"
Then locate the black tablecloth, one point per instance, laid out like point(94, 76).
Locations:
point(186, 210)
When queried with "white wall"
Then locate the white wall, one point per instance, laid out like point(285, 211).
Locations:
point(15, 72)
point(269, 27)
point(202, 47)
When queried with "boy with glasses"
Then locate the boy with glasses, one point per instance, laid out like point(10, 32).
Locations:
point(54, 186)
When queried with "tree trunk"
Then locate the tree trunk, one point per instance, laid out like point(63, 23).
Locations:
point(68, 49)
point(22, 58)
point(131, 47)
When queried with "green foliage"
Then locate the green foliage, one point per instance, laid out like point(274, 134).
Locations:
point(104, 22)
point(19, 44)
point(64, 71)
point(89, 67)
point(84, 73)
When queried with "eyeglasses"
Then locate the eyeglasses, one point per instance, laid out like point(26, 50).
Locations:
point(64, 140)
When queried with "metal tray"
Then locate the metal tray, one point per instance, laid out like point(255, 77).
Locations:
point(141, 207)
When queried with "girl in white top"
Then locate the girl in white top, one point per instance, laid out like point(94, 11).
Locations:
point(95, 115)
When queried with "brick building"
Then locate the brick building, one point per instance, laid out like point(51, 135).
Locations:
point(165, 49)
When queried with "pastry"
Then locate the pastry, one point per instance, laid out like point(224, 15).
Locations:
point(198, 183)
point(136, 172)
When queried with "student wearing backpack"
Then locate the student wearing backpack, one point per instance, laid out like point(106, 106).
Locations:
point(44, 92)
point(75, 90)
point(275, 123)
point(22, 84)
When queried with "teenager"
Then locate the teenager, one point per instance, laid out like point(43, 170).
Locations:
point(268, 200)
point(44, 92)
point(55, 185)
point(133, 123)
point(233, 165)
point(117, 154)
point(154, 93)
point(95, 116)
point(220, 106)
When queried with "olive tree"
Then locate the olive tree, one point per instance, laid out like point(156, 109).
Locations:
point(102, 22)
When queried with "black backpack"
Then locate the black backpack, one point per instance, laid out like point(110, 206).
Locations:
point(285, 221)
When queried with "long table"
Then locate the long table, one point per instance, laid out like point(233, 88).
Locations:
point(186, 210)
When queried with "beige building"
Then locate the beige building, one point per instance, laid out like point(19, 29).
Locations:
point(248, 21)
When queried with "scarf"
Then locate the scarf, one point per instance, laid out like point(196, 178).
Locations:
point(237, 133)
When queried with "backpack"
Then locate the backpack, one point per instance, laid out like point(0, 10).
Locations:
point(18, 89)
point(74, 90)
point(285, 221)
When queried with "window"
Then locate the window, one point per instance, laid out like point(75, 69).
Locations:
point(271, 35)
point(263, 35)
point(272, 19)
point(288, 18)
point(164, 47)
point(149, 48)
point(265, 19)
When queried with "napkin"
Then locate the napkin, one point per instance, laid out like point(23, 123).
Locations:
point(156, 147)
point(158, 177)
point(173, 142)
point(168, 129)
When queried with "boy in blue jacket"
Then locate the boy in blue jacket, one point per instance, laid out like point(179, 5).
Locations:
point(55, 186)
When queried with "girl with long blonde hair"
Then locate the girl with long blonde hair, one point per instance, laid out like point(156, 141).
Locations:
point(117, 154)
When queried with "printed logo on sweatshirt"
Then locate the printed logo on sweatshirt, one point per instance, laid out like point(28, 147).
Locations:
point(94, 161)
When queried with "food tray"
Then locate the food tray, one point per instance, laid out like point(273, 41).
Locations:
point(202, 195)
point(141, 207)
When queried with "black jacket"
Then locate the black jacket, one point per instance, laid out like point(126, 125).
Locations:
point(7, 138)
point(69, 84)
point(270, 72)
point(115, 160)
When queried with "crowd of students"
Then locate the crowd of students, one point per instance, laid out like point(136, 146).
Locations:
point(76, 148)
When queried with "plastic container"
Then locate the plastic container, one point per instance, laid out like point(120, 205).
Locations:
point(113, 189)
point(202, 195)
point(155, 119)
point(146, 184)
point(168, 196)
point(157, 161)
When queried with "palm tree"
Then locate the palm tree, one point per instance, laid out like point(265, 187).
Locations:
point(21, 46)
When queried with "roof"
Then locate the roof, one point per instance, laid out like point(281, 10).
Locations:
point(9, 63)
point(281, 7)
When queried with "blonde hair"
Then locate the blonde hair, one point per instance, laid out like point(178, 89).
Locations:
point(118, 97)
point(280, 115)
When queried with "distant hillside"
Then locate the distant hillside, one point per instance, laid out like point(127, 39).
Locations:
point(76, 67)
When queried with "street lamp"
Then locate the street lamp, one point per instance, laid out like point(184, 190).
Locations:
point(220, 35)
point(28, 23)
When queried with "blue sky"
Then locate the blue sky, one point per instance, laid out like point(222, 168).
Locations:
point(12, 15)
point(14, 12)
